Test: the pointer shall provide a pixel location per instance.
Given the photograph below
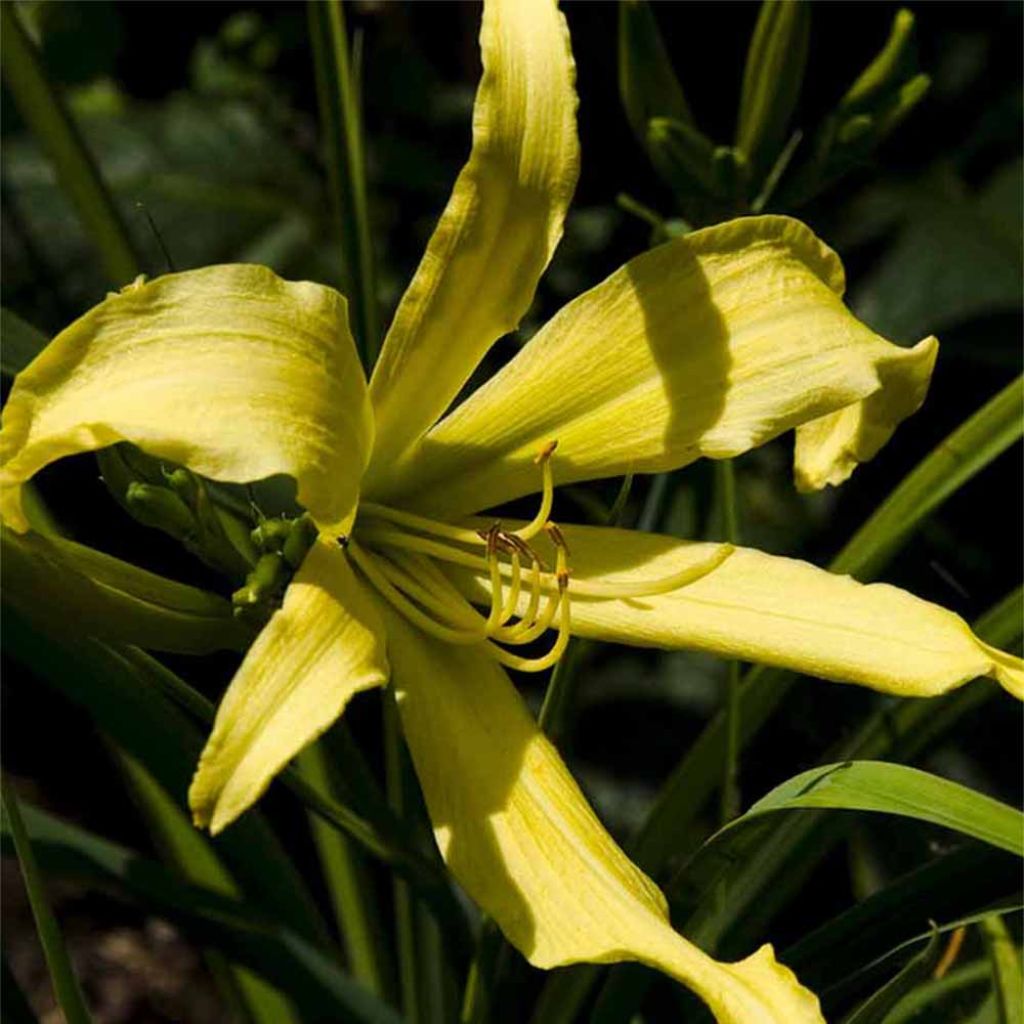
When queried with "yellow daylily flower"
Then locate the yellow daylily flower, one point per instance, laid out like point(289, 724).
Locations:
point(707, 346)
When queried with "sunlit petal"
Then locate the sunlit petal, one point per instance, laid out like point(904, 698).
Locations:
point(321, 648)
point(708, 345)
point(228, 370)
point(518, 834)
point(498, 231)
point(776, 611)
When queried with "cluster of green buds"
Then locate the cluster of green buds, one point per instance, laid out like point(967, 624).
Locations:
point(768, 159)
point(218, 524)
point(282, 545)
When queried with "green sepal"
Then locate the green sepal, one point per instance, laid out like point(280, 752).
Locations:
point(772, 80)
point(648, 86)
point(84, 591)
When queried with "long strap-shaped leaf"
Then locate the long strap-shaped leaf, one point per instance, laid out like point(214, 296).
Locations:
point(304, 969)
point(50, 123)
point(65, 983)
point(982, 437)
point(888, 789)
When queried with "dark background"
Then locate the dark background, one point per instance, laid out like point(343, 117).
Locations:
point(206, 114)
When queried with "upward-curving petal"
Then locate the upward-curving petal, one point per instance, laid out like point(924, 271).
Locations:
point(776, 611)
point(518, 834)
point(708, 345)
point(228, 370)
point(498, 231)
point(322, 647)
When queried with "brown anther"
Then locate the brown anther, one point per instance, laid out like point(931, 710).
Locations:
point(545, 453)
point(556, 535)
point(523, 548)
point(491, 536)
point(562, 576)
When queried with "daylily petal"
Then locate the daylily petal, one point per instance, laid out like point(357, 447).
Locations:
point(101, 596)
point(708, 345)
point(776, 611)
point(498, 231)
point(519, 836)
point(228, 370)
point(321, 648)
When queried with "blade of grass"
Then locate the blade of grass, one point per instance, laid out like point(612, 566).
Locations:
point(144, 723)
point(62, 974)
point(733, 911)
point(913, 1005)
point(981, 438)
point(971, 447)
point(348, 885)
point(51, 124)
point(298, 965)
point(729, 805)
point(190, 853)
point(875, 1009)
point(1006, 970)
point(341, 120)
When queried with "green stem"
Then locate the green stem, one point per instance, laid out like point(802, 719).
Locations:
point(339, 102)
point(65, 984)
point(51, 124)
point(729, 806)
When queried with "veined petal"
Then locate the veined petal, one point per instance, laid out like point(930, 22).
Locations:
point(519, 836)
point(101, 596)
point(708, 345)
point(228, 370)
point(322, 647)
point(498, 231)
point(776, 611)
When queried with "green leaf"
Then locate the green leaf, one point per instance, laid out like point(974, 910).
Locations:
point(20, 343)
point(1006, 970)
point(648, 86)
point(65, 983)
point(891, 789)
point(338, 99)
point(42, 109)
point(73, 587)
point(953, 887)
point(971, 447)
point(132, 712)
point(261, 940)
point(875, 1008)
point(772, 80)
point(953, 986)
point(192, 854)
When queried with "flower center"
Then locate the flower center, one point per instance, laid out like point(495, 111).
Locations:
point(408, 558)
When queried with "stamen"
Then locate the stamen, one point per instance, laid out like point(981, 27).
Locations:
point(463, 535)
point(547, 660)
point(543, 459)
point(512, 602)
point(404, 606)
point(494, 620)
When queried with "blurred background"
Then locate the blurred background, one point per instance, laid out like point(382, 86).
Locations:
point(202, 118)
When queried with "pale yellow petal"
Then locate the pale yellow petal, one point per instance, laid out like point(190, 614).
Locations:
point(321, 648)
point(519, 836)
point(74, 587)
point(829, 449)
point(228, 370)
point(775, 611)
point(706, 346)
point(498, 231)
